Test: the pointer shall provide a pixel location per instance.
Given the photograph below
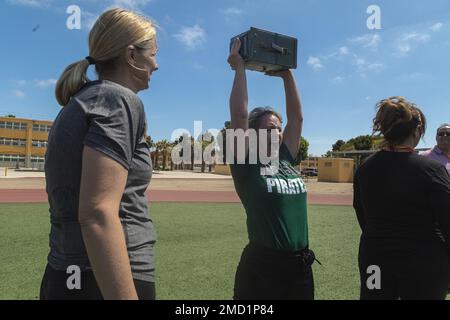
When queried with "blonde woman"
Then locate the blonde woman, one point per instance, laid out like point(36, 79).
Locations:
point(98, 168)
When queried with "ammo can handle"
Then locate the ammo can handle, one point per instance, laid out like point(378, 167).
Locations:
point(280, 50)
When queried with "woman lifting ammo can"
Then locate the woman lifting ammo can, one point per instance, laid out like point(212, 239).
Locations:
point(276, 264)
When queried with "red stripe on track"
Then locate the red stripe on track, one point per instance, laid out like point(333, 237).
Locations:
point(40, 196)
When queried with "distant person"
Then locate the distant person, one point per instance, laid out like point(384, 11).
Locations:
point(402, 202)
point(98, 168)
point(441, 152)
point(276, 264)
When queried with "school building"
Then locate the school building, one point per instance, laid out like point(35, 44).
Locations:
point(23, 142)
point(310, 162)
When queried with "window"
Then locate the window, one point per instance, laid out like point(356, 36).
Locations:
point(37, 159)
point(41, 127)
point(11, 158)
point(12, 142)
point(39, 144)
point(13, 125)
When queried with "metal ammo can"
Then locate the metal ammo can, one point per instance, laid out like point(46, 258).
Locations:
point(267, 51)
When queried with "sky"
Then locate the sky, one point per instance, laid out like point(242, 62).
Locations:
point(344, 68)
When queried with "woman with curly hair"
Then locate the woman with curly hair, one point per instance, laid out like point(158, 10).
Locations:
point(402, 202)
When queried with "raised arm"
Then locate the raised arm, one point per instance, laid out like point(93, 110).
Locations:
point(239, 96)
point(294, 113)
point(102, 184)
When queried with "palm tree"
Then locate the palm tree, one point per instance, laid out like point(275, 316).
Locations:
point(150, 142)
point(227, 125)
point(205, 143)
point(158, 148)
point(165, 146)
point(181, 152)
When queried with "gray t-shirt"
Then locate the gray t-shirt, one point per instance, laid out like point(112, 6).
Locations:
point(111, 119)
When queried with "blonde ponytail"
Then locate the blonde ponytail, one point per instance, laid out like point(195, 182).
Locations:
point(113, 31)
point(71, 80)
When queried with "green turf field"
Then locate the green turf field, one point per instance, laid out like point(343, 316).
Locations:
point(197, 253)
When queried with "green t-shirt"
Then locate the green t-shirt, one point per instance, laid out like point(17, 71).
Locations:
point(275, 204)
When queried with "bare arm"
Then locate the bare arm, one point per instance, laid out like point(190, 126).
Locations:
point(294, 113)
point(239, 95)
point(102, 184)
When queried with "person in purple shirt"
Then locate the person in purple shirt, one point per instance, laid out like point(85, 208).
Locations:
point(441, 152)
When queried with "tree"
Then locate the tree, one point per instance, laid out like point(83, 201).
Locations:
point(179, 142)
point(329, 154)
point(158, 147)
point(363, 142)
point(150, 142)
point(165, 147)
point(206, 139)
point(302, 153)
point(10, 116)
point(223, 133)
point(337, 146)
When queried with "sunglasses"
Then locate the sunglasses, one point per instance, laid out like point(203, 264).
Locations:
point(444, 134)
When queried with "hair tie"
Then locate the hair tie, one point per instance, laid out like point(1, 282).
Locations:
point(90, 59)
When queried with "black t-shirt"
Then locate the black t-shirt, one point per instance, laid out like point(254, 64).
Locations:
point(402, 202)
point(110, 119)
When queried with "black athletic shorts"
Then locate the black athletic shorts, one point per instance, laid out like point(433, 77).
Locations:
point(54, 287)
point(267, 274)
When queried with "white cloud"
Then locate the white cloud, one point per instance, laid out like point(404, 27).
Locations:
point(88, 20)
point(436, 27)
point(198, 66)
point(19, 93)
point(45, 83)
point(21, 82)
point(232, 14)
point(368, 40)
point(129, 4)
point(315, 63)
point(191, 37)
point(364, 67)
point(415, 76)
point(411, 40)
point(31, 3)
point(338, 79)
point(343, 51)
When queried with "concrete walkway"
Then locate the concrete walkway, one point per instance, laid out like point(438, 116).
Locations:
point(12, 174)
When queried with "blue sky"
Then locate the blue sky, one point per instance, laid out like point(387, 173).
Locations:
point(344, 68)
